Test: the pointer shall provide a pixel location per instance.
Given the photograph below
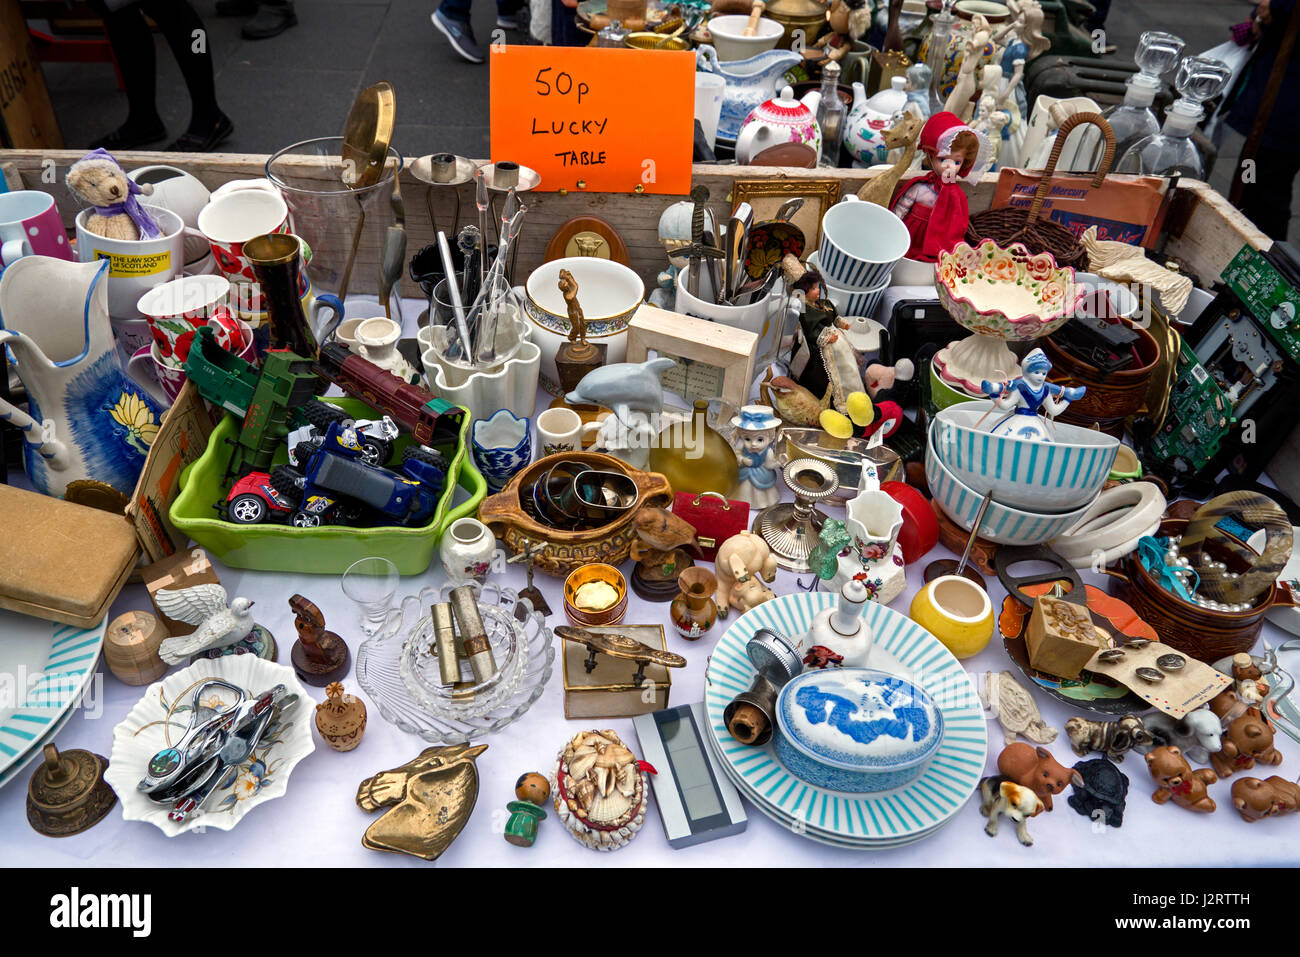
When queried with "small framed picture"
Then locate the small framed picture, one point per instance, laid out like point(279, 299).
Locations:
point(712, 360)
point(767, 195)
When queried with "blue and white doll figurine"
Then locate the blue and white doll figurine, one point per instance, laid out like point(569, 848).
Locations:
point(756, 431)
point(1022, 401)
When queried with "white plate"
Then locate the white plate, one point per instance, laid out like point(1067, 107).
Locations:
point(34, 752)
point(44, 667)
point(909, 812)
point(264, 776)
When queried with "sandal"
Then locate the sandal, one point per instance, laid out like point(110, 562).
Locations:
point(190, 142)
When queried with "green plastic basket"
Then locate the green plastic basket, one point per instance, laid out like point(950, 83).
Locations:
point(326, 549)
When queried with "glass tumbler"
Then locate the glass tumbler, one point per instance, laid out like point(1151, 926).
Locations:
point(371, 583)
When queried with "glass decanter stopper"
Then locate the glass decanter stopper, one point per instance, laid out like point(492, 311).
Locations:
point(1133, 119)
point(1171, 150)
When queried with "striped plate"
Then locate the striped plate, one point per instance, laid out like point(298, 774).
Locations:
point(44, 667)
point(883, 819)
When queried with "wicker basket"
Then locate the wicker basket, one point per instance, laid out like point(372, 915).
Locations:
point(1010, 224)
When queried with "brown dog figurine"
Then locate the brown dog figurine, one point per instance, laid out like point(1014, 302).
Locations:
point(1036, 769)
point(1176, 780)
point(1256, 798)
point(1249, 738)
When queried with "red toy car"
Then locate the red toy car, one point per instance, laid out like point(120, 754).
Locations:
point(253, 499)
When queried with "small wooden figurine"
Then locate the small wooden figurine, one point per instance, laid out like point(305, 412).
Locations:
point(1257, 798)
point(659, 549)
point(1036, 769)
point(1060, 638)
point(532, 791)
point(319, 657)
point(1112, 738)
point(1177, 782)
point(1248, 738)
point(427, 801)
point(1000, 797)
point(341, 718)
point(131, 648)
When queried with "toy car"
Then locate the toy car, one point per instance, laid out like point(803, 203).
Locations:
point(334, 466)
point(254, 499)
point(377, 436)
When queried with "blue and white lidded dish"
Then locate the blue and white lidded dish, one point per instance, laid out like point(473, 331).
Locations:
point(856, 729)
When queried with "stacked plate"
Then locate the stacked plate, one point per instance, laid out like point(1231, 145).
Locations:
point(880, 820)
point(44, 668)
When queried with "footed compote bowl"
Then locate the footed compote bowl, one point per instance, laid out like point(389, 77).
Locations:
point(999, 294)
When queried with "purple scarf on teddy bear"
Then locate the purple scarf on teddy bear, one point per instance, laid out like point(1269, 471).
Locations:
point(131, 206)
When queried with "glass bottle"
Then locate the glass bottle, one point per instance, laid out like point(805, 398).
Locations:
point(936, 53)
point(831, 113)
point(694, 457)
point(1133, 119)
point(1171, 150)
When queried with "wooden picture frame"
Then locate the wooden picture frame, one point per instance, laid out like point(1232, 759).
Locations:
point(767, 195)
point(714, 360)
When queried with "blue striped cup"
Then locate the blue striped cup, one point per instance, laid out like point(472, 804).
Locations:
point(861, 244)
point(851, 302)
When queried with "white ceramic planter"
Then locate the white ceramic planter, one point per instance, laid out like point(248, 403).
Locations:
point(512, 385)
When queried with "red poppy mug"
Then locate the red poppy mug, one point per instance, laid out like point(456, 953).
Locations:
point(176, 310)
point(234, 216)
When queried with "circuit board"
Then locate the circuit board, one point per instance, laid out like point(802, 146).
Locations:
point(1268, 295)
point(1198, 420)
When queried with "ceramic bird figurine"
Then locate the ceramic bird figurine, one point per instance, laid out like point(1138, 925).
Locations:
point(427, 801)
point(204, 605)
point(793, 403)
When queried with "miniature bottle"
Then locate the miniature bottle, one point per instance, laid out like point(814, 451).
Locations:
point(341, 718)
point(831, 115)
point(1171, 150)
point(693, 611)
point(1133, 119)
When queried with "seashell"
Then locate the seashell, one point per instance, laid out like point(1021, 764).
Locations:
point(609, 808)
point(604, 780)
point(627, 779)
point(580, 765)
point(1149, 674)
point(1110, 655)
point(1171, 662)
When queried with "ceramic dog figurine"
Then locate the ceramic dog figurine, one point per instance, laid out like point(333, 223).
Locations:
point(1111, 738)
point(1036, 769)
point(1198, 734)
point(1249, 738)
point(1177, 782)
point(1000, 797)
point(1258, 798)
point(742, 560)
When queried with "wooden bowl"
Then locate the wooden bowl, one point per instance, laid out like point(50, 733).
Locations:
point(566, 550)
point(1203, 633)
point(1110, 399)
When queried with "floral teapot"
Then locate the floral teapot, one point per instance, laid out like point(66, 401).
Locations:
point(783, 120)
point(86, 419)
point(868, 119)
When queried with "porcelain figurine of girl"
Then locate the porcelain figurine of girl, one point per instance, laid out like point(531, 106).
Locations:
point(756, 431)
point(933, 206)
point(1021, 400)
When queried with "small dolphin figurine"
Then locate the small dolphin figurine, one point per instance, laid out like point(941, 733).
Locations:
point(624, 387)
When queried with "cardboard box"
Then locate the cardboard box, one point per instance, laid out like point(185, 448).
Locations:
point(46, 567)
point(1061, 638)
point(181, 570)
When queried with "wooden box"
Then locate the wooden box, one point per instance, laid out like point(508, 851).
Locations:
point(179, 571)
point(1061, 638)
point(46, 567)
point(608, 691)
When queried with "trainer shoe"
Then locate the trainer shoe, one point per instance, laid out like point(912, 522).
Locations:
point(460, 35)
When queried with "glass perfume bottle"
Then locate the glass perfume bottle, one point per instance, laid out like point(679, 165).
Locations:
point(831, 113)
point(1171, 150)
point(1133, 119)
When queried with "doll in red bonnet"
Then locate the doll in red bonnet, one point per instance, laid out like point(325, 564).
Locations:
point(934, 206)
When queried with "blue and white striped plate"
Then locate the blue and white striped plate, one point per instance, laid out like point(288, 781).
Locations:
point(890, 817)
point(44, 667)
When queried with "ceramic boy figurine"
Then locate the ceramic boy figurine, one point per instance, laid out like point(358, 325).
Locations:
point(933, 207)
point(756, 430)
point(1021, 400)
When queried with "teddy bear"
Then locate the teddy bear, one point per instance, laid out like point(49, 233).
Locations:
point(98, 181)
point(1248, 739)
point(1258, 798)
point(1176, 781)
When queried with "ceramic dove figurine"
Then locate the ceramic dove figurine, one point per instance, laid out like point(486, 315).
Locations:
point(204, 605)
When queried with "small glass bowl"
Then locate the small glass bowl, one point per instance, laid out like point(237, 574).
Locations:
point(419, 667)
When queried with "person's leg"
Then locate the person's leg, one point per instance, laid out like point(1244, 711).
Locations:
point(1266, 202)
point(183, 30)
point(132, 44)
point(451, 19)
point(508, 14)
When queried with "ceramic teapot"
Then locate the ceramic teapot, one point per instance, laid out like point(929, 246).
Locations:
point(778, 121)
point(750, 83)
point(86, 419)
point(869, 118)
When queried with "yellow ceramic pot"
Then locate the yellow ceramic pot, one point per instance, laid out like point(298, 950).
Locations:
point(957, 612)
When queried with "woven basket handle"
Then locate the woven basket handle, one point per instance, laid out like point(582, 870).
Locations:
point(1107, 158)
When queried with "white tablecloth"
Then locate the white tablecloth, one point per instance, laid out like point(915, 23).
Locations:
point(318, 823)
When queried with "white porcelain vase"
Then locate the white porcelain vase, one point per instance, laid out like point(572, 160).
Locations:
point(466, 551)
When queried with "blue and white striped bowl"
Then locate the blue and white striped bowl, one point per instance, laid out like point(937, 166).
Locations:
point(865, 821)
point(851, 302)
point(1056, 476)
point(1002, 523)
point(861, 244)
